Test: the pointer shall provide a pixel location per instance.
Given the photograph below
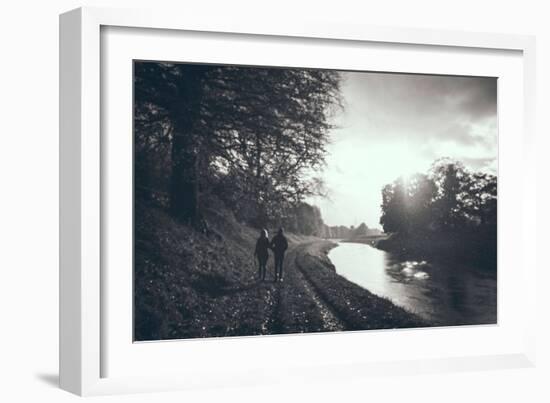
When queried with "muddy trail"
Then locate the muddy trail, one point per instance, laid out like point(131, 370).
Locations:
point(300, 308)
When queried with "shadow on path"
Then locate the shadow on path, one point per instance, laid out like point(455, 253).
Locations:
point(246, 287)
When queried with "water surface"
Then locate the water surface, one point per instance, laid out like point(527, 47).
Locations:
point(444, 293)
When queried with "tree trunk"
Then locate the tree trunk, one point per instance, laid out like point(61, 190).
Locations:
point(186, 148)
point(261, 215)
point(184, 186)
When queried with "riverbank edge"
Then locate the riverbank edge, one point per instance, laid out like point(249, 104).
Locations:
point(434, 251)
point(358, 308)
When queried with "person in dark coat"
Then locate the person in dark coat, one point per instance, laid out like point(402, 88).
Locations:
point(261, 253)
point(279, 245)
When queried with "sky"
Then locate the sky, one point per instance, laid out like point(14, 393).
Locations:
point(398, 124)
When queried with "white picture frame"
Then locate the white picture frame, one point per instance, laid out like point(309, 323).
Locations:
point(83, 173)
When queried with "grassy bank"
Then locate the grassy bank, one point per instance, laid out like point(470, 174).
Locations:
point(357, 307)
point(187, 283)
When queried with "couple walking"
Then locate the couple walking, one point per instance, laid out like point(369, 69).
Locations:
point(278, 245)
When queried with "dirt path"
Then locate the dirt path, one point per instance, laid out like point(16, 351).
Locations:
point(300, 307)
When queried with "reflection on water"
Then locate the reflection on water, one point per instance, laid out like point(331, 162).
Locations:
point(446, 294)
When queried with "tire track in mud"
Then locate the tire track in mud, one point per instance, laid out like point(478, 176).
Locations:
point(272, 324)
point(300, 307)
point(330, 319)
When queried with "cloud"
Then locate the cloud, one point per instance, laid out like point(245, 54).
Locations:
point(419, 107)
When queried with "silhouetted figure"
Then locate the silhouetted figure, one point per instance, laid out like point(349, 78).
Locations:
point(279, 244)
point(261, 253)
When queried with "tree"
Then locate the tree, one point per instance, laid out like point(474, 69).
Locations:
point(421, 193)
point(451, 180)
point(255, 130)
point(361, 230)
point(280, 132)
point(172, 94)
point(448, 198)
point(448, 206)
point(395, 200)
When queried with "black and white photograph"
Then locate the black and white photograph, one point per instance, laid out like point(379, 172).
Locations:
point(275, 200)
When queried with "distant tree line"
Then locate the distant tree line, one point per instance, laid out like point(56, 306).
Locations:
point(448, 208)
point(249, 136)
point(351, 232)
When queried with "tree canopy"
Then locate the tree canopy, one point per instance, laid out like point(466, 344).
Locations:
point(253, 135)
point(447, 198)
